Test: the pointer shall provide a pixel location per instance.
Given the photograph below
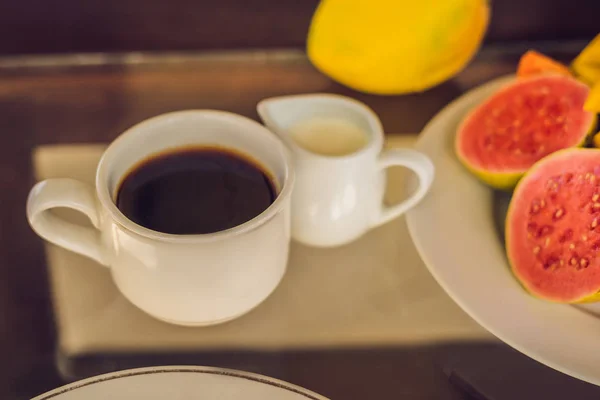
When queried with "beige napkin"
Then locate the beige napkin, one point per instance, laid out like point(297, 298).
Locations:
point(373, 292)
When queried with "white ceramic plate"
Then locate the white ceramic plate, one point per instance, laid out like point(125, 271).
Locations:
point(180, 383)
point(456, 232)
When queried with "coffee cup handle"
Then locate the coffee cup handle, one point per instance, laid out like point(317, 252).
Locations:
point(66, 193)
point(421, 165)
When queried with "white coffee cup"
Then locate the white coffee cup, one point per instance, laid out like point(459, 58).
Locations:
point(182, 279)
point(338, 198)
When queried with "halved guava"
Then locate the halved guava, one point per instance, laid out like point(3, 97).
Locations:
point(520, 124)
point(553, 227)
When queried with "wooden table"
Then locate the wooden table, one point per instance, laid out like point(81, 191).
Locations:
point(93, 99)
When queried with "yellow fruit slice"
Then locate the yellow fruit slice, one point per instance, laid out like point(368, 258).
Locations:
point(395, 46)
point(587, 64)
point(592, 103)
point(596, 140)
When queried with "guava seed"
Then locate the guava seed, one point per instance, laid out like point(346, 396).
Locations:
point(544, 230)
point(573, 261)
point(551, 262)
point(531, 227)
point(568, 177)
point(558, 214)
point(552, 183)
point(567, 235)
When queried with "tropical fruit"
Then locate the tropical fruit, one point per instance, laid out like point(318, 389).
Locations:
point(586, 65)
point(553, 227)
point(520, 124)
point(395, 46)
point(592, 103)
point(534, 63)
point(596, 141)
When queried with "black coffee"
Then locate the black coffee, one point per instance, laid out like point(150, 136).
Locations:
point(195, 190)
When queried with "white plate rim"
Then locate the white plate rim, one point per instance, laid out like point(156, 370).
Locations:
point(582, 368)
point(181, 369)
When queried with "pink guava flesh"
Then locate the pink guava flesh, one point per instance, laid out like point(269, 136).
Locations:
point(553, 227)
point(523, 122)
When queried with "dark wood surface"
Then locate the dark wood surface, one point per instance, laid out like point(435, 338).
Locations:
point(51, 26)
point(66, 104)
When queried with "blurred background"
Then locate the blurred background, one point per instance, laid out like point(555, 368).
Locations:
point(67, 26)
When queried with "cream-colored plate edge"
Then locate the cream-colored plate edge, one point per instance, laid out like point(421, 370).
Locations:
point(229, 373)
point(454, 232)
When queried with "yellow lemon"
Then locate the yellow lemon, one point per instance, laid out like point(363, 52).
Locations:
point(395, 46)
